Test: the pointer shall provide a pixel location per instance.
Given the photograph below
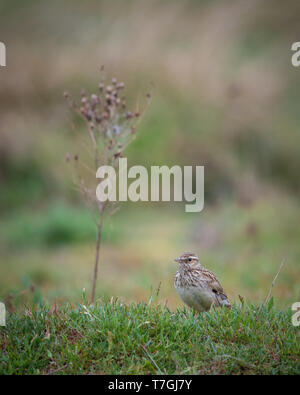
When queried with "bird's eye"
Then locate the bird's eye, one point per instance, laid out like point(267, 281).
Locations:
point(190, 259)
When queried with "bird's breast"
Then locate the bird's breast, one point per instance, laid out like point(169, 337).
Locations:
point(198, 297)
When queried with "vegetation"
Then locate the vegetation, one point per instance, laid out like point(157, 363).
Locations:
point(112, 337)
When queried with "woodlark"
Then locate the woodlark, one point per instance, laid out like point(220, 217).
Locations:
point(197, 286)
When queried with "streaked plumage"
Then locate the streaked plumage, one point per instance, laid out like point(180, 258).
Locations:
point(197, 286)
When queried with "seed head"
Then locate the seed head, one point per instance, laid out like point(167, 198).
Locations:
point(120, 85)
point(109, 89)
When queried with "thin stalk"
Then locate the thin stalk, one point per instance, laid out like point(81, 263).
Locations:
point(98, 245)
point(273, 282)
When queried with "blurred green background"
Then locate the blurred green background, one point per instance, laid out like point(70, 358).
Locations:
point(225, 96)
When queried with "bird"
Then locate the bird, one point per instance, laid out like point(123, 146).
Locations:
point(197, 286)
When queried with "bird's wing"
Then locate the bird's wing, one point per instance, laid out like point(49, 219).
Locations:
point(212, 281)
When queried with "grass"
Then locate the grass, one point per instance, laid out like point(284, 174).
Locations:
point(139, 338)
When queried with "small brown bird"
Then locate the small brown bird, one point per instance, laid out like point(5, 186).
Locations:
point(197, 286)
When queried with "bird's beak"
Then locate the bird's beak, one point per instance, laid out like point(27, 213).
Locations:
point(178, 260)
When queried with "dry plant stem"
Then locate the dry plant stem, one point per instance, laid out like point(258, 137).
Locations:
point(273, 282)
point(111, 127)
point(98, 245)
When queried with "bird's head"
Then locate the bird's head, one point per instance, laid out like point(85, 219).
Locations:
point(188, 259)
